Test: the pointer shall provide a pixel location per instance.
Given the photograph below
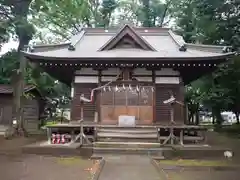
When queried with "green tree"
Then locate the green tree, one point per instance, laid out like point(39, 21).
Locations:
point(107, 9)
point(16, 23)
point(65, 18)
point(153, 13)
point(228, 78)
point(213, 22)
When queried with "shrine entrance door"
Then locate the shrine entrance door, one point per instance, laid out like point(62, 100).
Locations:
point(129, 101)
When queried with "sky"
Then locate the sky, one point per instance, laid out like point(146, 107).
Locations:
point(8, 46)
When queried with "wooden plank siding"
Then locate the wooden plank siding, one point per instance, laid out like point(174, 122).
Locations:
point(31, 115)
point(89, 108)
point(31, 112)
point(6, 109)
point(163, 92)
point(160, 112)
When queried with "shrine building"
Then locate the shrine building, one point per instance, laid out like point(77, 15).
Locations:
point(134, 70)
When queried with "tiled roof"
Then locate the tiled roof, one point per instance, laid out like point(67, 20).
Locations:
point(164, 41)
point(8, 89)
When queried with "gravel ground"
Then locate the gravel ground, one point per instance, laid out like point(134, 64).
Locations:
point(17, 166)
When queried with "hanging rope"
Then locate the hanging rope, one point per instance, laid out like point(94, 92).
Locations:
point(82, 97)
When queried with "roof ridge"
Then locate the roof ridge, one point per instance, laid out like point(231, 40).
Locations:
point(217, 48)
point(175, 39)
point(37, 48)
point(50, 45)
point(207, 45)
point(180, 42)
point(79, 36)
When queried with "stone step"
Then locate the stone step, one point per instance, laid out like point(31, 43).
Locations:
point(126, 135)
point(154, 140)
point(127, 130)
point(3, 128)
point(143, 151)
point(127, 144)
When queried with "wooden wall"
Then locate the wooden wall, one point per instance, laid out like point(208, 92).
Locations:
point(164, 81)
point(6, 109)
point(89, 108)
point(31, 112)
point(163, 110)
point(127, 102)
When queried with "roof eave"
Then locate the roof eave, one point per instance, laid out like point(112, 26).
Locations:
point(38, 58)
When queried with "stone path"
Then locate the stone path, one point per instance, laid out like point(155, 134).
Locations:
point(123, 167)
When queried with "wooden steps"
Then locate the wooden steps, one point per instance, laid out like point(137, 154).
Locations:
point(126, 134)
point(127, 144)
point(127, 130)
point(127, 140)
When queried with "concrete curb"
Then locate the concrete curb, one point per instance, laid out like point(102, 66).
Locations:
point(160, 171)
point(96, 175)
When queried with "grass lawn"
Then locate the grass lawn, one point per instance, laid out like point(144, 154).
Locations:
point(191, 163)
point(183, 173)
point(200, 175)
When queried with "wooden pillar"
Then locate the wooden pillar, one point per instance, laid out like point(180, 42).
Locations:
point(181, 99)
point(72, 99)
point(154, 97)
point(98, 103)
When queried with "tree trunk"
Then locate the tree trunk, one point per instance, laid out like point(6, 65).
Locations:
point(197, 118)
point(22, 28)
point(62, 111)
point(164, 14)
point(219, 119)
point(146, 11)
point(213, 119)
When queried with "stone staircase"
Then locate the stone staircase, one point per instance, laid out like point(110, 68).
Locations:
point(127, 140)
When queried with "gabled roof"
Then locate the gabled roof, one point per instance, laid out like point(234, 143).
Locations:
point(123, 32)
point(155, 44)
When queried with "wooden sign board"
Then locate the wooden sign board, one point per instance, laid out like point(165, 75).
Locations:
point(126, 121)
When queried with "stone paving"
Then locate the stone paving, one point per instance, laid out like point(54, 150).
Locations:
point(123, 167)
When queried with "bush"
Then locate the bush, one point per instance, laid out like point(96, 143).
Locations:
point(56, 120)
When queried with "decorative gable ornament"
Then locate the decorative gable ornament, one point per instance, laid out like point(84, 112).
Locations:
point(127, 35)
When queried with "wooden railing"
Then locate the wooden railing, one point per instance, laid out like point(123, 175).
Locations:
point(81, 136)
point(180, 139)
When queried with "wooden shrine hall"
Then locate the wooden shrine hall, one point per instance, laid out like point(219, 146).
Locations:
point(124, 75)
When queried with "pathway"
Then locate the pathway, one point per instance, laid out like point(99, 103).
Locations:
point(122, 167)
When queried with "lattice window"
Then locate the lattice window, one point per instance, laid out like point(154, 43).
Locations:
point(107, 97)
point(120, 98)
point(142, 96)
point(132, 98)
point(145, 96)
